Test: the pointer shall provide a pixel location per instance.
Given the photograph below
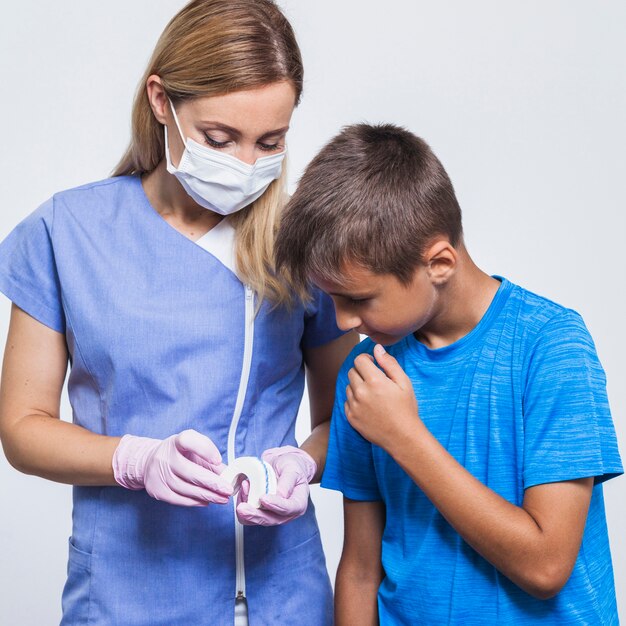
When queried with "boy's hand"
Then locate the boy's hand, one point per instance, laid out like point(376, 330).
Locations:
point(381, 406)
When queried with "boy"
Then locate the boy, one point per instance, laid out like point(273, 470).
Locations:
point(471, 452)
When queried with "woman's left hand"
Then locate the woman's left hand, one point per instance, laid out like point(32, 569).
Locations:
point(294, 470)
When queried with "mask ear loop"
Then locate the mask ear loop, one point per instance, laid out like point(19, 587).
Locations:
point(180, 130)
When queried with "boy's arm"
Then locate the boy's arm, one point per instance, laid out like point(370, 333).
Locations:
point(534, 545)
point(360, 570)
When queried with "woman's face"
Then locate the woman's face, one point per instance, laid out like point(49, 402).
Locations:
point(246, 124)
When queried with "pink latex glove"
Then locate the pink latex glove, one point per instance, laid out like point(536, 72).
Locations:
point(294, 470)
point(183, 469)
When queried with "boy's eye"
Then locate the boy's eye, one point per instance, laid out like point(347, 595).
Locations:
point(357, 301)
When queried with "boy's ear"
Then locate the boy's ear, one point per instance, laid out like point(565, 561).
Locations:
point(441, 260)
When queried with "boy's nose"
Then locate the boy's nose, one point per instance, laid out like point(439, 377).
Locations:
point(347, 320)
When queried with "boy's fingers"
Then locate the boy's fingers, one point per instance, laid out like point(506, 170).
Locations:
point(390, 366)
point(354, 377)
point(365, 366)
point(349, 394)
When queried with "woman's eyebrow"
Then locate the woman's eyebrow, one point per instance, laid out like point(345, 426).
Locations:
point(271, 133)
point(220, 126)
point(237, 133)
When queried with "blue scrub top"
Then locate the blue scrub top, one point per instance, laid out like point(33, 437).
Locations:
point(155, 330)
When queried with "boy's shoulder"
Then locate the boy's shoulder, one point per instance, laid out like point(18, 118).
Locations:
point(534, 314)
point(526, 318)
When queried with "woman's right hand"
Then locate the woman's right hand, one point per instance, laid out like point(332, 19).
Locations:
point(183, 469)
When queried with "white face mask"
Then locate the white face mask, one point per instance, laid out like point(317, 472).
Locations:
point(220, 182)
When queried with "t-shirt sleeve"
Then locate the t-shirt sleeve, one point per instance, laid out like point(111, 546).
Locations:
point(320, 326)
point(349, 462)
point(568, 430)
point(28, 271)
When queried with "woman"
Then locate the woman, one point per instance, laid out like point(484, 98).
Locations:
point(186, 350)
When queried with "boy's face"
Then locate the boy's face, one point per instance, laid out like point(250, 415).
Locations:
point(379, 305)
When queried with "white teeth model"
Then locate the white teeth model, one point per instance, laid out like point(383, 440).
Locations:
point(260, 475)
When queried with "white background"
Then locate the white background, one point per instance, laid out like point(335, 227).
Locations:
point(523, 102)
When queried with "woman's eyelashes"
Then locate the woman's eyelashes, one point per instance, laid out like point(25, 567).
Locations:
point(262, 145)
point(270, 147)
point(214, 143)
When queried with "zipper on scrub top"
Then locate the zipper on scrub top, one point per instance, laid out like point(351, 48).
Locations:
point(240, 573)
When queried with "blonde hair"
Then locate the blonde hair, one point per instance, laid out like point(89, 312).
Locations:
point(210, 48)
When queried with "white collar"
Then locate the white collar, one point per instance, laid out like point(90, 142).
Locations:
point(220, 242)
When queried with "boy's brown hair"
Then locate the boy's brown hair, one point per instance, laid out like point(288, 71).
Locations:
point(375, 196)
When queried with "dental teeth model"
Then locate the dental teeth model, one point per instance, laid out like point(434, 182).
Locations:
point(260, 475)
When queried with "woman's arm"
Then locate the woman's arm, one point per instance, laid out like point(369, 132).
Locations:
point(36, 441)
point(34, 438)
point(322, 366)
point(360, 570)
point(535, 544)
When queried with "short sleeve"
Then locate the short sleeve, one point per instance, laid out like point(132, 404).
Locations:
point(320, 326)
point(568, 430)
point(28, 273)
point(349, 462)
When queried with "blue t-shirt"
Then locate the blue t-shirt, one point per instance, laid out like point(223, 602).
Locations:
point(519, 401)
